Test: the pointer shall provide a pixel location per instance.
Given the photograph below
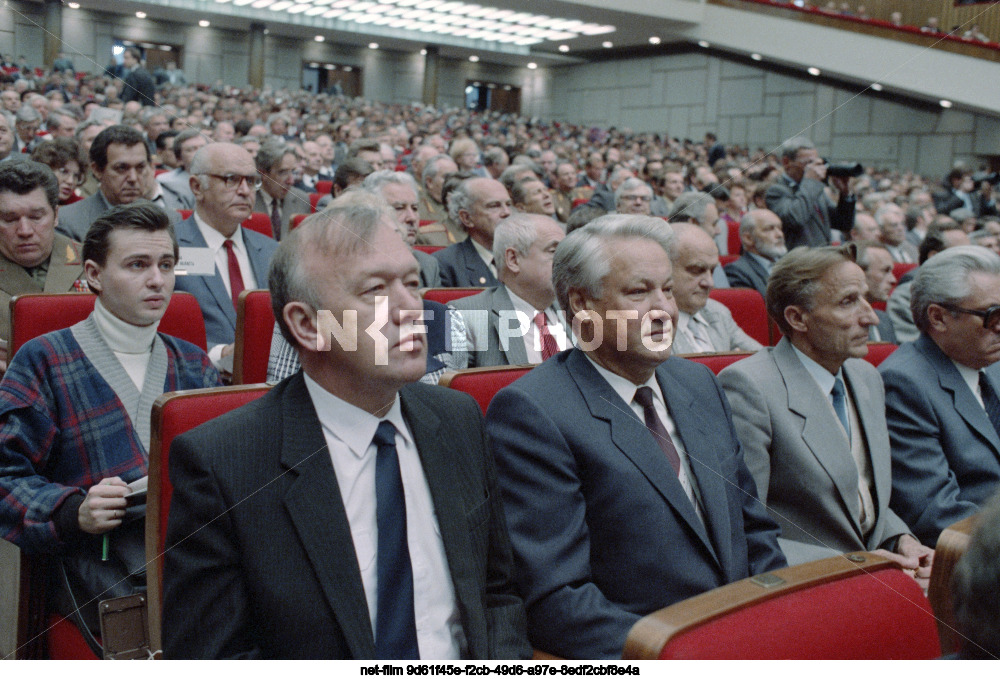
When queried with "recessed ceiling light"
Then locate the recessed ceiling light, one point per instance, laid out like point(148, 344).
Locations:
point(373, 45)
point(319, 38)
point(756, 57)
point(607, 44)
point(74, 5)
point(704, 43)
point(877, 87)
point(654, 40)
point(812, 70)
point(945, 103)
point(423, 52)
point(473, 58)
point(204, 23)
point(564, 48)
point(140, 15)
point(532, 65)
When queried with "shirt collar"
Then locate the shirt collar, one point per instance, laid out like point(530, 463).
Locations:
point(763, 261)
point(624, 387)
point(352, 426)
point(214, 239)
point(820, 374)
point(483, 252)
point(970, 375)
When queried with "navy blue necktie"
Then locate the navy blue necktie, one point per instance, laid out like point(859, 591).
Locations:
point(840, 405)
point(395, 624)
point(990, 401)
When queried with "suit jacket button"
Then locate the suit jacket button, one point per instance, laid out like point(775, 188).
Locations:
point(482, 280)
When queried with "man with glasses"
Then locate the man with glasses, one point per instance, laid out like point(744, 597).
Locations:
point(220, 259)
point(634, 197)
point(941, 393)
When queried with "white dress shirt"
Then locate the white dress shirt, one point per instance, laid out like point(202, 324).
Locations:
point(348, 432)
point(530, 334)
point(485, 255)
point(695, 330)
point(971, 377)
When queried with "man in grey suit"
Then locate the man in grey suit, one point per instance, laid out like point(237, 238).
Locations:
point(809, 414)
point(120, 160)
point(703, 325)
point(478, 204)
point(278, 199)
point(379, 532)
point(178, 180)
point(941, 393)
point(763, 244)
point(221, 257)
point(399, 190)
point(875, 260)
point(518, 321)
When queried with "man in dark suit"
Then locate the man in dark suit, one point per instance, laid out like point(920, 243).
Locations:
point(612, 518)
point(278, 199)
point(941, 392)
point(139, 84)
point(875, 260)
point(342, 515)
point(478, 204)
point(799, 198)
point(222, 258)
point(763, 244)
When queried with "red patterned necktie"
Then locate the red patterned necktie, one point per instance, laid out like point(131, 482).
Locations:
point(235, 276)
point(549, 345)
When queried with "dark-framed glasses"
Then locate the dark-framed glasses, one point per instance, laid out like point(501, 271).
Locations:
point(233, 181)
point(990, 315)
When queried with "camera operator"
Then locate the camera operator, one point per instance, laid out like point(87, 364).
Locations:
point(799, 197)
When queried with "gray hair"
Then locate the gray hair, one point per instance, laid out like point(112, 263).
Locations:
point(980, 234)
point(28, 114)
point(628, 185)
point(518, 192)
point(376, 181)
point(791, 147)
point(270, 154)
point(795, 278)
point(582, 259)
point(863, 259)
point(518, 232)
point(748, 223)
point(431, 168)
point(884, 210)
point(944, 278)
point(343, 229)
point(691, 205)
point(460, 199)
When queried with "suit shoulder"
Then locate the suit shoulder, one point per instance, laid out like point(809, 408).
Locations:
point(268, 245)
point(479, 301)
point(901, 361)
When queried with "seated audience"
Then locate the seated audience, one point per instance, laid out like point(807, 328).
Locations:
point(532, 196)
point(865, 228)
point(518, 321)
point(367, 556)
point(892, 232)
point(614, 430)
point(810, 416)
point(763, 244)
point(278, 200)
point(875, 260)
point(178, 180)
point(440, 230)
point(350, 173)
point(703, 325)
point(66, 160)
point(478, 204)
point(400, 191)
point(633, 197)
point(941, 394)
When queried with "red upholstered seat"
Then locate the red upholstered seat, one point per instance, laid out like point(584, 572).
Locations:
point(879, 351)
point(36, 314)
point(259, 222)
point(429, 249)
point(483, 383)
point(716, 362)
point(834, 608)
point(324, 186)
point(173, 414)
point(733, 243)
point(727, 259)
point(65, 642)
point(749, 312)
point(899, 269)
point(313, 199)
point(445, 295)
point(425, 222)
point(254, 327)
point(297, 219)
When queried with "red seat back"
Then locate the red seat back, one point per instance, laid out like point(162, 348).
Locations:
point(900, 269)
point(445, 295)
point(254, 327)
point(313, 199)
point(879, 351)
point(749, 312)
point(733, 243)
point(483, 383)
point(716, 362)
point(297, 219)
point(835, 608)
point(429, 249)
point(324, 186)
point(173, 414)
point(259, 222)
point(36, 314)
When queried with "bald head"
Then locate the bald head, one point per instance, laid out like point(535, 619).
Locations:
point(224, 181)
point(694, 257)
point(865, 228)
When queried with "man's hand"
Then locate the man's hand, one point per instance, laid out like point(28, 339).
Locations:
point(842, 184)
point(104, 506)
point(915, 558)
point(816, 170)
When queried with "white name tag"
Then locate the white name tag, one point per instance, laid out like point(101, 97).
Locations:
point(196, 262)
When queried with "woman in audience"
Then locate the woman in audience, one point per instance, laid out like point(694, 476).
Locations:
point(67, 161)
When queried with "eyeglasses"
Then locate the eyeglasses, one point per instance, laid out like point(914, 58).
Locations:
point(641, 197)
point(990, 315)
point(66, 173)
point(233, 181)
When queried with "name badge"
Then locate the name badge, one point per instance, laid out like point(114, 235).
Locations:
point(195, 262)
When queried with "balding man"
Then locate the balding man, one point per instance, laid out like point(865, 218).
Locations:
point(400, 191)
point(703, 325)
point(876, 262)
point(518, 321)
point(892, 232)
point(634, 197)
point(221, 258)
point(698, 207)
point(478, 204)
point(763, 244)
point(865, 228)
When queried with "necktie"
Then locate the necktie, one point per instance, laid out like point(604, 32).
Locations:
point(395, 623)
point(698, 335)
point(276, 220)
point(837, 395)
point(549, 345)
point(644, 397)
point(235, 275)
point(990, 401)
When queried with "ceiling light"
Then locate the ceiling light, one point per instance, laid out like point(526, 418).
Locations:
point(532, 65)
point(564, 48)
point(330, 14)
point(373, 45)
point(945, 103)
point(277, 7)
point(756, 57)
point(260, 4)
point(473, 58)
point(592, 29)
point(348, 68)
point(654, 40)
point(877, 87)
point(319, 38)
point(607, 44)
point(298, 9)
point(204, 23)
point(74, 5)
point(812, 70)
point(140, 15)
point(314, 11)
point(704, 43)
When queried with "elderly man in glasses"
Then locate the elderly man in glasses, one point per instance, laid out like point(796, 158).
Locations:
point(220, 259)
point(942, 393)
point(634, 197)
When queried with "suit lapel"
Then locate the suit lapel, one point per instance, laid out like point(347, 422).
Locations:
point(634, 441)
point(317, 511)
point(476, 270)
point(65, 265)
point(515, 353)
point(189, 236)
point(758, 270)
point(821, 432)
point(881, 459)
point(257, 259)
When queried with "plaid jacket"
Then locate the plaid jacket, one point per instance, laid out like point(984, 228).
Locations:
point(63, 429)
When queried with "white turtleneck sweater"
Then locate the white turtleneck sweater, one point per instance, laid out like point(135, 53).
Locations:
point(131, 344)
